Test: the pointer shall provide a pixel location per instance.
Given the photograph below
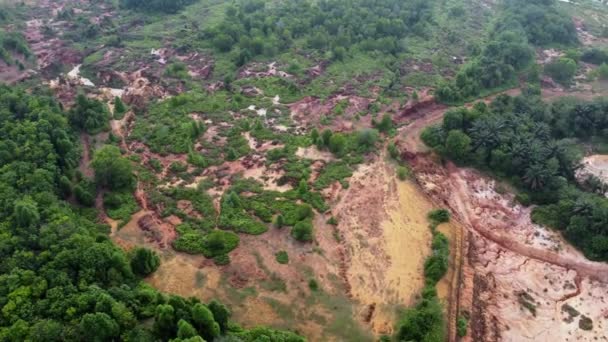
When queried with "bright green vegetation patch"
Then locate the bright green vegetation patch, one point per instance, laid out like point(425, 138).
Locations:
point(251, 213)
point(332, 172)
point(211, 245)
point(282, 257)
point(120, 205)
point(202, 213)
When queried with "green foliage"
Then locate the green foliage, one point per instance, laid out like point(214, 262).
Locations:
point(215, 243)
point(562, 70)
point(120, 205)
point(595, 56)
point(365, 26)
point(163, 6)
point(61, 277)
point(438, 216)
point(366, 139)
point(425, 322)
point(436, 265)
point(282, 257)
point(302, 231)
point(119, 108)
point(185, 330)
point(602, 72)
point(386, 124)
point(457, 145)
point(144, 261)
point(313, 285)
point(393, 151)
point(508, 52)
point(89, 115)
point(112, 170)
point(177, 70)
point(332, 172)
point(12, 42)
point(402, 172)
point(461, 326)
point(222, 259)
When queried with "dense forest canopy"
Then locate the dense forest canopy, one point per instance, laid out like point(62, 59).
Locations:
point(256, 27)
point(509, 51)
point(533, 144)
point(62, 278)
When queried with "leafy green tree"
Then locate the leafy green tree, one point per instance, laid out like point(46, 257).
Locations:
point(367, 138)
point(457, 145)
point(337, 144)
point(98, 327)
point(221, 314)
point(144, 261)
point(89, 115)
point(119, 106)
point(302, 231)
point(562, 70)
point(26, 212)
point(279, 222)
point(164, 320)
point(111, 169)
point(204, 322)
point(185, 330)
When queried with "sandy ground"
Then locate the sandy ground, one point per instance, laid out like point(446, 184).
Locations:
point(385, 234)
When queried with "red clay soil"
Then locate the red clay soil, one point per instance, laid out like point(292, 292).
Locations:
point(503, 246)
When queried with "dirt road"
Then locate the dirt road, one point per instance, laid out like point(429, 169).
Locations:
point(493, 228)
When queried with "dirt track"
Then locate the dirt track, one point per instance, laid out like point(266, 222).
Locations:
point(494, 236)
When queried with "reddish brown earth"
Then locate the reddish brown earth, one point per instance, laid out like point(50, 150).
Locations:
point(506, 259)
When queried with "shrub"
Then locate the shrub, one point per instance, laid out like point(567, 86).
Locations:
point(562, 70)
point(222, 259)
point(313, 285)
point(402, 172)
point(144, 261)
point(282, 257)
point(461, 326)
point(585, 323)
point(439, 216)
point(302, 231)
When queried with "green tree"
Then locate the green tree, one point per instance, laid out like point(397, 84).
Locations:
point(367, 138)
point(457, 145)
point(111, 169)
point(279, 222)
point(164, 320)
point(302, 231)
point(98, 327)
point(221, 314)
point(337, 144)
point(119, 107)
point(89, 115)
point(562, 70)
point(204, 322)
point(26, 212)
point(386, 124)
point(144, 261)
point(185, 330)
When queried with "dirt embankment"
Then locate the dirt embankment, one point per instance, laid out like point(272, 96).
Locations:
point(519, 280)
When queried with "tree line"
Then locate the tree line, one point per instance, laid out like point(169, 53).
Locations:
point(509, 50)
point(534, 145)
